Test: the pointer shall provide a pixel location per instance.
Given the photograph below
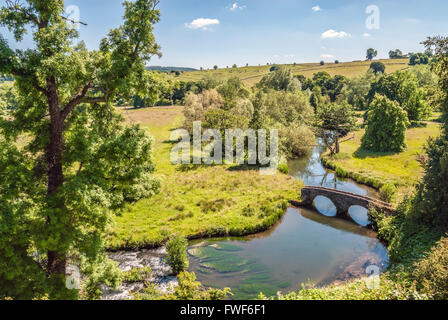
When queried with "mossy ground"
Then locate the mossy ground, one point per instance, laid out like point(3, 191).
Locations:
point(198, 201)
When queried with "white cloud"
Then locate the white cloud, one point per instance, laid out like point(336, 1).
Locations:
point(327, 56)
point(290, 56)
point(332, 34)
point(202, 23)
point(236, 6)
point(366, 35)
point(316, 9)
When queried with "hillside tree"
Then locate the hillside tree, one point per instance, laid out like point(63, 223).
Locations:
point(371, 53)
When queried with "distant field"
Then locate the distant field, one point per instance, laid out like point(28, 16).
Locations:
point(252, 75)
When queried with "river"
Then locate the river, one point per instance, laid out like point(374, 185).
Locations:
point(306, 247)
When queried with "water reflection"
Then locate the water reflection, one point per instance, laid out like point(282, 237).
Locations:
point(304, 247)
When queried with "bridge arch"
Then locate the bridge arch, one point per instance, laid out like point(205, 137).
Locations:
point(342, 200)
point(325, 206)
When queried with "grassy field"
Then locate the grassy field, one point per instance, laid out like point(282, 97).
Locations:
point(198, 201)
point(402, 169)
point(252, 75)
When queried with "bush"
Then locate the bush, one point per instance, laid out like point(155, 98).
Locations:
point(386, 126)
point(187, 289)
point(177, 254)
point(137, 275)
point(283, 168)
point(388, 192)
point(296, 142)
point(378, 67)
point(431, 273)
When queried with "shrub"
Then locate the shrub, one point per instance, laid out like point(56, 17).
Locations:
point(177, 254)
point(388, 192)
point(378, 67)
point(431, 273)
point(137, 275)
point(296, 141)
point(283, 168)
point(190, 289)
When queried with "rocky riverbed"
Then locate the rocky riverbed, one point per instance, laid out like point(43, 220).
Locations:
point(161, 275)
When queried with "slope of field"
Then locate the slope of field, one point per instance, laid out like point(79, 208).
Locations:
point(252, 75)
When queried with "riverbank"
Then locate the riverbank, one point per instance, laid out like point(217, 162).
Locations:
point(198, 201)
point(376, 169)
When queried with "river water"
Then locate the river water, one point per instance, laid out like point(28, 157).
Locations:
point(307, 247)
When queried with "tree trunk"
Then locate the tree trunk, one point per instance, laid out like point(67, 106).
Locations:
point(337, 145)
point(56, 260)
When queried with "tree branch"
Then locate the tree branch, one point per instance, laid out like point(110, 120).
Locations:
point(77, 99)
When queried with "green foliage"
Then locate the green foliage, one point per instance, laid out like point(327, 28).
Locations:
point(177, 257)
point(188, 289)
point(371, 53)
point(396, 54)
point(279, 79)
point(296, 141)
point(357, 89)
point(334, 121)
point(77, 163)
point(329, 86)
point(386, 126)
point(388, 192)
point(378, 67)
point(432, 192)
point(283, 168)
point(418, 58)
point(403, 87)
point(431, 273)
point(232, 90)
point(137, 275)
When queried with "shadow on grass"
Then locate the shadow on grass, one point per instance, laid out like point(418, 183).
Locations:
point(193, 167)
point(362, 154)
point(244, 167)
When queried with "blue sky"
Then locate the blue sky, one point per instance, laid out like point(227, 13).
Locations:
point(202, 33)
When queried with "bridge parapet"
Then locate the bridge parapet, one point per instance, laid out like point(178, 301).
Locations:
point(343, 200)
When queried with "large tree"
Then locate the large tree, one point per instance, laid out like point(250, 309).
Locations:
point(432, 193)
point(79, 163)
point(386, 126)
point(371, 53)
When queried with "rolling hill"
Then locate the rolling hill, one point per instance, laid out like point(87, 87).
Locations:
point(252, 75)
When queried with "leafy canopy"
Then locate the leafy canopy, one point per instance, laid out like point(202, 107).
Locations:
point(76, 164)
point(386, 126)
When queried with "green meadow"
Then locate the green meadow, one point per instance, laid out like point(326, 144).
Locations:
point(198, 202)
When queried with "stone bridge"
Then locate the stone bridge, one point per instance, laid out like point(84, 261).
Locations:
point(342, 200)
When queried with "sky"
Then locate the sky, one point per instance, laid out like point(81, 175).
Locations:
point(204, 33)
